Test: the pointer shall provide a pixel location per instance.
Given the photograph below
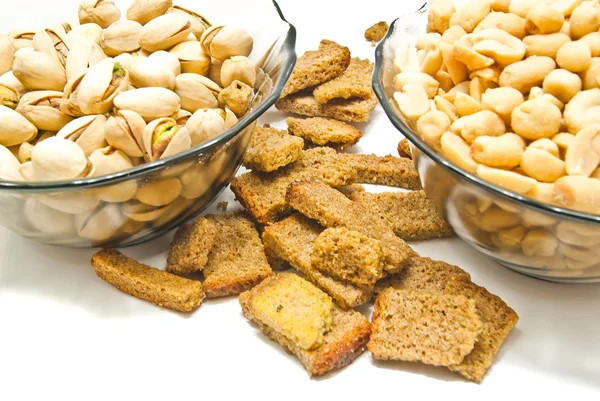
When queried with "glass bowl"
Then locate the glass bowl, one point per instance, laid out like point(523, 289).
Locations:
point(71, 213)
point(530, 237)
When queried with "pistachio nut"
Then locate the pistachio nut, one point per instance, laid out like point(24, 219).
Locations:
point(70, 104)
point(164, 32)
point(163, 138)
point(9, 97)
point(124, 132)
point(42, 108)
point(59, 159)
point(144, 11)
point(100, 85)
point(39, 71)
point(90, 32)
point(237, 96)
point(196, 92)
point(230, 118)
point(150, 103)
point(174, 210)
point(181, 117)
point(167, 59)
point(121, 37)
point(9, 166)
point(205, 124)
point(214, 72)
point(26, 171)
point(198, 22)
point(159, 193)
point(78, 59)
point(6, 54)
point(8, 79)
point(24, 153)
point(68, 26)
point(53, 42)
point(21, 38)
point(223, 42)
point(125, 59)
point(87, 132)
point(145, 72)
point(101, 224)
point(192, 57)
point(96, 55)
point(72, 202)
point(14, 128)
point(238, 68)
point(138, 211)
point(48, 220)
point(43, 135)
point(109, 160)
point(101, 12)
point(131, 227)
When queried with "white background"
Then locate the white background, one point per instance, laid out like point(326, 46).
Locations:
point(65, 334)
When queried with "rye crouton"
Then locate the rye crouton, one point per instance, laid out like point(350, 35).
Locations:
point(318, 66)
point(263, 195)
point(376, 32)
point(387, 170)
point(147, 283)
point(350, 190)
point(190, 247)
point(351, 110)
point(271, 149)
point(293, 240)
point(324, 132)
point(355, 82)
point(237, 261)
point(341, 344)
point(404, 149)
point(348, 255)
point(410, 214)
point(433, 328)
point(332, 209)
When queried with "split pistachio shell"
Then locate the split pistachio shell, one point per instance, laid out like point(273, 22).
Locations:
point(38, 71)
point(237, 96)
point(159, 193)
point(195, 182)
point(87, 132)
point(166, 59)
point(125, 59)
point(163, 138)
point(48, 220)
point(214, 72)
point(27, 172)
point(196, 92)
point(42, 108)
point(124, 132)
point(223, 42)
point(138, 211)
point(101, 12)
point(150, 103)
point(100, 85)
point(9, 80)
point(230, 119)
point(173, 211)
point(6, 54)
point(59, 159)
point(9, 97)
point(9, 166)
point(14, 128)
point(145, 72)
point(70, 104)
point(53, 42)
point(164, 32)
point(21, 38)
point(192, 57)
point(121, 37)
point(78, 59)
point(101, 224)
point(74, 202)
point(238, 68)
point(90, 32)
point(144, 11)
point(108, 161)
point(198, 22)
point(24, 153)
point(205, 124)
point(181, 117)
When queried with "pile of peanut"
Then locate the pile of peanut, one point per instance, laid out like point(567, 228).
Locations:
point(510, 91)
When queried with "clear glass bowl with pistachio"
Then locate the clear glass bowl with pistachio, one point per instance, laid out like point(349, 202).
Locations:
point(120, 120)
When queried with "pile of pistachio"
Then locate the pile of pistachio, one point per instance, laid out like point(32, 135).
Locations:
point(102, 94)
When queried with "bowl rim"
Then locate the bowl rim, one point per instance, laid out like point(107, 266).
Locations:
point(289, 48)
point(377, 85)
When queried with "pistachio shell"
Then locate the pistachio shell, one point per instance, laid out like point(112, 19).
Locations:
point(101, 12)
point(21, 38)
point(164, 32)
point(166, 59)
point(181, 117)
point(96, 55)
point(101, 224)
point(125, 59)
point(124, 131)
point(238, 68)
point(138, 211)
point(198, 22)
point(73, 202)
point(39, 71)
point(143, 11)
point(150, 103)
point(27, 172)
point(176, 141)
point(237, 97)
point(9, 166)
point(121, 37)
point(9, 97)
point(9, 80)
point(59, 159)
point(144, 72)
point(6, 54)
point(90, 32)
point(205, 124)
point(42, 108)
point(14, 128)
point(214, 72)
point(87, 132)
point(192, 57)
point(159, 193)
point(193, 91)
point(48, 220)
point(24, 153)
point(53, 42)
point(223, 42)
point(107, 161)
point(173, 211)
point(70, 104)
point(100, 85)
point(198, 180)
point(230, 119)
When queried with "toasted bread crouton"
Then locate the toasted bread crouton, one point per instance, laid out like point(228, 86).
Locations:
point(423, 274)
point(332, 209)
point(318, 66)
point(293, 239)
point(263, 195)
point(277, 264)
point(433, 328)
point(404, 149)
point(324, 132)
point(271, 149)
point(410, 214)
point(147, 283)
point(341, 345)
point(355, 82)
point(498, 321)
point(348, 255)
point(376, 32)
point(351, 110)
point(237, 261)
point(350, 190)
point(190, 247)
point(387, 170)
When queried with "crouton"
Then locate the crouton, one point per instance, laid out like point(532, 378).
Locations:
point(404, 149)
point(271, 149)
point(355, 82)
point(190, 247)
point(324, 132)
point(350, 110)
point(350, 190)
point(387, 170)
point(376, 32)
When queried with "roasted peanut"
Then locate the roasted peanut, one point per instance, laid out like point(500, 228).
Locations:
point(582, 158)
point(583, 110)
point(535, 119)
point(531, 218)
point(440, 12)
point(543, 18)
point(562, 84)
point(502, 101)
point(566, 6)
point(412, 101)
point(511, 23)
point(578, 192)
point(489, 74)
point(446, 107)
point(537, 92)
point(547, 145)
point(431, 126)
point(432, 60)
point(462, 87)
point(539, 243)
point(503, 151)
point(406, 59)
point(563, 140)
point(501, 46)
point(456, 150)
point(521, 7)
point(496, 219)
point(453, 34)
point(579, 254)
point(457, 70)
point(469, 15)
point(500, 5)
point(578, 234)
point(542, 165)
point(482, 123)
point(574, 56)
point(464, 52)
point(585, 19)
point(427, 82)
point(545, 45)
point(466, 105)
point(444, 79)
point(426, 40)
point(590, 76)
point(506, 179)
point(509, 238)
point(593, 41)
point(524, 75)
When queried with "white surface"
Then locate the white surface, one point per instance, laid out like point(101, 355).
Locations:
point(65, 334)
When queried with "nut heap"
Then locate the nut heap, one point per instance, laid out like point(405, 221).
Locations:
point(101, 95)
point(510, 91)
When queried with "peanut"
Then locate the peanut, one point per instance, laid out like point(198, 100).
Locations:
point(585, 19)
point(562, 84)
point(574, 56)
point(511, 23)
point(509, 238)
point(578, 192)
point(542, 165)
point(432, 62)
point(583, 110)
point(535, 119)
point(456, 150)
point(489, 74)
point(462, 87)
point(521, 7)
point(469, 15)
point(524, 75)
point(506, 179)
point(593, 41)
point(578, 254)
point(501, 46)
point(500, 5)
point(412, 101)
point(482, 123)
point(566, 6)
point(447, 107)
point(463, 51)
point(591, 75)
point(427, 82)
point(453, 34)
point(429, 39)
point(531, 218)
point(444, 80)
point(466, 105)
point(440, 12)
point(406, 59)
point(578, 234)
point(539, 243)
point(547, 145)
point(543, 18)
point(545, 45)
point(495, 219)
point(563, 140)
point(581, 157)
point(503, 151)
point(502, 101)
point(431, 126)
point(457, 70)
